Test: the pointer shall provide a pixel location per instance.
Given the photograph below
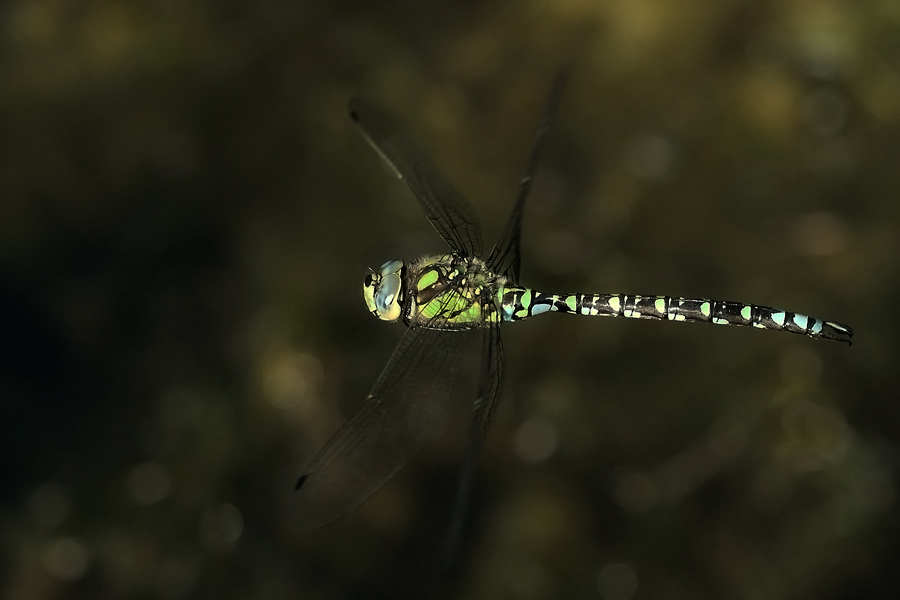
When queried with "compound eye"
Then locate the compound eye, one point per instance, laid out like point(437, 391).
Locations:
point(391, 267)
point(387, 298)
point(383, 291)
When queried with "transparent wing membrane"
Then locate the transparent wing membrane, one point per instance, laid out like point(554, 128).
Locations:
point(505, 258)
point(399, 414)
point(446, 207)
point(490, 385)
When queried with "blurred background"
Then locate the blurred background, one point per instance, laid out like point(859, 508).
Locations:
point(187, 212)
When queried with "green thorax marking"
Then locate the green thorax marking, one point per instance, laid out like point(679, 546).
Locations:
point(452, 292)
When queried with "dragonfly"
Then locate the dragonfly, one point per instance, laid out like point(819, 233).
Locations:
point(442, 297)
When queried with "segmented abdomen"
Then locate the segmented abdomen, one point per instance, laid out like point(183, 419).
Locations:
point(521, 303)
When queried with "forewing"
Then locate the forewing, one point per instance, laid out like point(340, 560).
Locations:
point(504, 258)
point(446, 207)
point(398, 415)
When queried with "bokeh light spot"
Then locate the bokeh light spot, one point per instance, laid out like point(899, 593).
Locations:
point(50, 504)
point(67, 558)
point(149, 483)
point(291, 381)
point(221, 525)
point(536, 440)
point(617, 581)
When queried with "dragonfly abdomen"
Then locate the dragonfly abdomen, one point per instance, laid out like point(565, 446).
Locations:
point(521, 303)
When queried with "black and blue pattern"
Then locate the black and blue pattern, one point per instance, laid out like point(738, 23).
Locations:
point(520, 303)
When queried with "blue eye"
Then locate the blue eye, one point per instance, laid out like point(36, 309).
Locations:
point(388, 293)
point(383, 291)
point(391, 267)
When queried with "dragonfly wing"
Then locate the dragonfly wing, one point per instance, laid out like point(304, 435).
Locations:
point(398, 415)
point(490, 384)
point(504, 258)
point(446, 207)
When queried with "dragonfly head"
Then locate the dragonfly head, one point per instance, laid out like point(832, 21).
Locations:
point(383, 290)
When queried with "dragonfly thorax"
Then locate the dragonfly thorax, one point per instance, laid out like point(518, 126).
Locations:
point(383, 290)
point(450, 291)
